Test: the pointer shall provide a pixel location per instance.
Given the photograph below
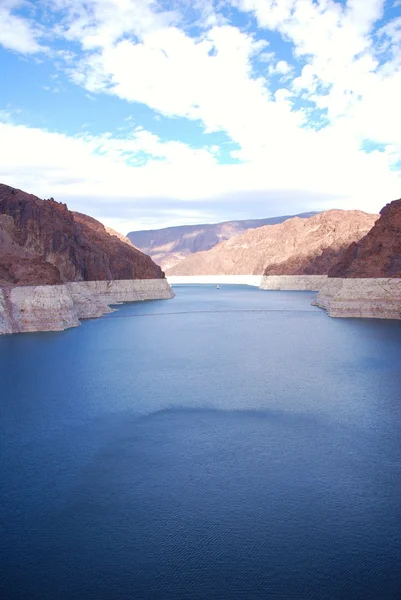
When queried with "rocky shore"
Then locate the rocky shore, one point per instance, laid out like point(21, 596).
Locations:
point(301, 283)
point(366, 282)
point(378, 298)
point(59, 266)
point(58, 307)
point(370, 298)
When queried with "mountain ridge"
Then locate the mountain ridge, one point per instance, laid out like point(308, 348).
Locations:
point(378, 253)
point(170, 245)
point(295, 247)
point(44, 243)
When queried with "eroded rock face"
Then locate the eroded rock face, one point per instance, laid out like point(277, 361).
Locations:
point(303, 283)
point(366, 282)
point(120, 236)
point(98, 227)
point(57, 307)
point(171, 245)
point(378, 254)
point(42, 243)
point(296, 247)
point(358, 297)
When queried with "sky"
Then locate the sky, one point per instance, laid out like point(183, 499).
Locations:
point(153, 113)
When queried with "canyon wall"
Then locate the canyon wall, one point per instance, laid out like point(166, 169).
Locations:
point(296, 247)
point(58, 307)
point(311, 283)
point(378, 253)
point(42, 242)
point(59, 266)
point(171, 245)
point(366, 282)
point(371, 298)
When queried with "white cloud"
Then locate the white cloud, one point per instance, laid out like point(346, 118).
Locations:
point(91, 172)
point(101, 165)
point(141, 53)
point(144, 55)
point(101, 23)
point(280, 68)
point(342, 74)
point(18, 33)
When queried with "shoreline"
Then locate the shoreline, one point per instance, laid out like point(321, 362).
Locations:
point(264, 282)
point(369, 298)
point(57, 307)
point(365, 298)
point(301, 283)
point(253, 280)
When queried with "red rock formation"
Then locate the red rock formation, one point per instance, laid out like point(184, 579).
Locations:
point(96, 226)
point(121, 237)
point(378, 254)
point(295, 247)
point(42, 242)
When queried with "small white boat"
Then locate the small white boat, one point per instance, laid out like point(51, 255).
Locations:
point(218, 286)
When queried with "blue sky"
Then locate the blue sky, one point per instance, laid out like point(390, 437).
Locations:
point(147, 113)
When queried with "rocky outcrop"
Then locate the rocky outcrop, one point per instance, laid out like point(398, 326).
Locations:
point(303, 283)
point(366, 282)
point(371, 298)
point(120, 236)
point(171, 245)
point(99, 227)
point(378, 254)
point(296, 247)
point(58, 307)
point(42, 242)
point(57, 267)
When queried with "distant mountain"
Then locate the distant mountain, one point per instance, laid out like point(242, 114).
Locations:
point(295, 247)
point(169, 246)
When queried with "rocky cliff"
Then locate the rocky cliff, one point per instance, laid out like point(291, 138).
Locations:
point(378, 254)
point(357, 297)
point(57, 266)
point(42, 242)
point(171, 245)
point(296, 247)
point(366, 282)
point(55, 307)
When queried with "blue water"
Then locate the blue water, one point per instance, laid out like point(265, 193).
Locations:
point(225, 444)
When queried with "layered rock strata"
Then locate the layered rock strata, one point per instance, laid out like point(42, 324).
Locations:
point(366, 282)
point(371, 298)
point(58, 307)
point(311, 283)
point(58, 266)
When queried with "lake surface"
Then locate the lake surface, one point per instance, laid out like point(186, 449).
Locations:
point(231, 443)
